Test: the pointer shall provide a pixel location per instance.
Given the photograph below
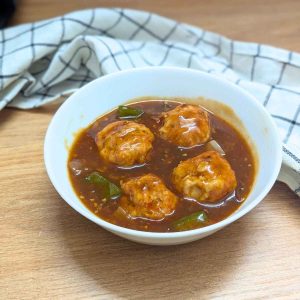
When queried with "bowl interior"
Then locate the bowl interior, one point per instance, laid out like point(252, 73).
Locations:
point(104, 94)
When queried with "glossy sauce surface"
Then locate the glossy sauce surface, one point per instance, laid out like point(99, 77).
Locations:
point(84, 158)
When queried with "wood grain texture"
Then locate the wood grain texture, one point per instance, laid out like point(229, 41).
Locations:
point(48, 251)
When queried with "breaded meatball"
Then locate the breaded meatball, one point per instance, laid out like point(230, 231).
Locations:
point(207, 177)
point(186, 126)
point(147, 197)
point(125, 143)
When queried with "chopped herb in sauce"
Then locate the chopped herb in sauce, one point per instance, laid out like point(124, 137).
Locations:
point(126, 112)
point(110, 190)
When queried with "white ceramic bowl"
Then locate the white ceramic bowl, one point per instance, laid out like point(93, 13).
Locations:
point(105, 93)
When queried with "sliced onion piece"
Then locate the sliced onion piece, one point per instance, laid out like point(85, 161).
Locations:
point(214, 145)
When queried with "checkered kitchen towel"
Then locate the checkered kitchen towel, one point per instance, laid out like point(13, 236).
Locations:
point(43, 61)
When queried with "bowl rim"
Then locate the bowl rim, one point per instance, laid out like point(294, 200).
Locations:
point(164, 235)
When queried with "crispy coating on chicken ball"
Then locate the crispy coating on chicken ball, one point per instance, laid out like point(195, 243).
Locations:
point(125, 143)
point(186, 126)
point(147, 197)
point(207, 177)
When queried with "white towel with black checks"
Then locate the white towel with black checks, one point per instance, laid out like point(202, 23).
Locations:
point(43, 61)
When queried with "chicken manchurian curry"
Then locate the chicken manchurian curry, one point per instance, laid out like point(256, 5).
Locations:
point(161, 166)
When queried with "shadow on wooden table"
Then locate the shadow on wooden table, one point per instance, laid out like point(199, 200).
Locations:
point(9, 114)
point(129, 270)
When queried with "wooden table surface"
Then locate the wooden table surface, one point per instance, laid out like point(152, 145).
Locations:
point(48, 251)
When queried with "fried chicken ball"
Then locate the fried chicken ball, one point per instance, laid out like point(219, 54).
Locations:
point(207, 177)
point(186, 126)
point(125, 143)
point(147, 197)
